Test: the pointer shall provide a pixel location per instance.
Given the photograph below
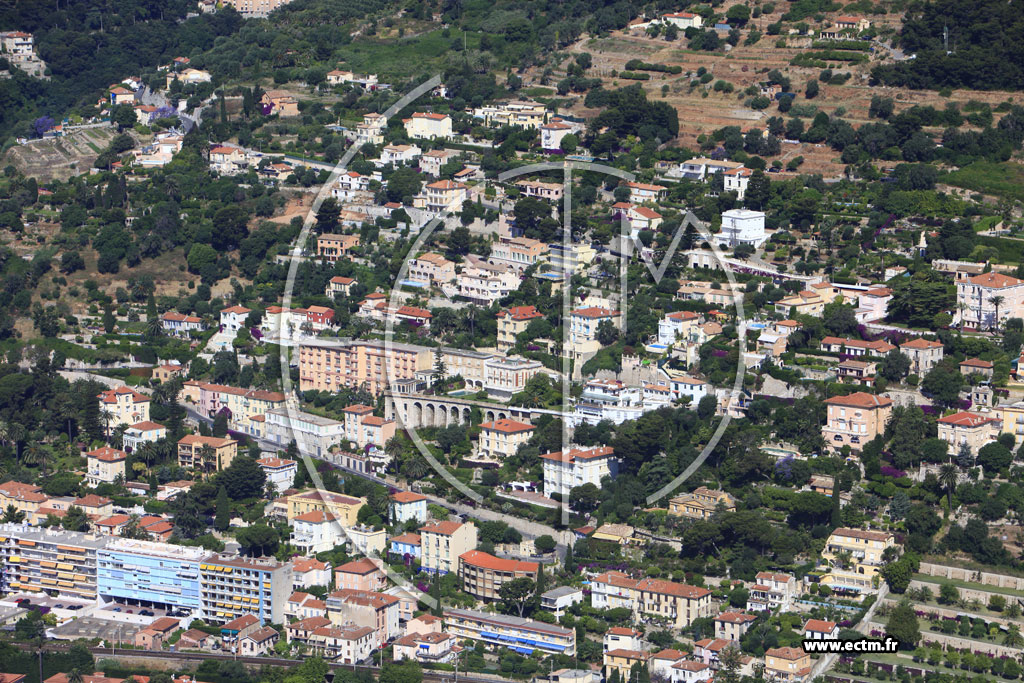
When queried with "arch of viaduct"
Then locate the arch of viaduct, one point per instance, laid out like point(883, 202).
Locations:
point(420, 410)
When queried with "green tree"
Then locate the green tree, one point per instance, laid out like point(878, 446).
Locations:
point(902, 625)
point(328, 215)
point(222, 519)
point(75, 519)
point(948, 477)
point(258, 540)
point(894, 366)
point(949, 594)
point(758, 188)
point(406, 671)
point(244, 479)
point(994, 457)
point(544, 544)
point(517, 593)
point(944, 383)
point(13, 514)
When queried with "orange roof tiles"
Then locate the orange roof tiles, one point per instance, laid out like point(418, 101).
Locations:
point(860, 399)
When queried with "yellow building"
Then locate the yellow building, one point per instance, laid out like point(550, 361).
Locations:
point(786, 664)
point(345, 509)
point(123, 406)
point(104, 465)
point(701, 504)
point(854, 557)
point(25, 498)
point(622, 661)
point(441, 544)
point(190, 452)
point(512, 323)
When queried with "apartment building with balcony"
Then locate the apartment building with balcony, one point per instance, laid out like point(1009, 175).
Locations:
point(442, 543)
point(154, 574)
point(426, 648)
point(232, 586)
point(378, 611)
point(583, 324)
point(518, 252)
point(483, 574)
point(240, 405)
point(507, 631)
point(428, 126)
point(975, 296)
point(853, 558)
point(123, 406)
point(192, 447)
point(855, 419)
point(36, 560)
point(359, 363)
point(442, 196)
point(361, 574)
point(345, 509)
point(924, 354)
point(141, 433)
point(678, 603)
point(515, 113)
point(512, 323)
point(1011, 414)
point(483, 282)
point(346, 644)
point(565, 470)
point(104, 465)
point(787, 664)
point(314, 434)
point(772, 591)
point(332, 248)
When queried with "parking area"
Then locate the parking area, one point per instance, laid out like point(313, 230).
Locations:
point(92, 627)
point(126, 608)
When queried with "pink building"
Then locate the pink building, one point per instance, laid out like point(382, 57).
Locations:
point(362, 575)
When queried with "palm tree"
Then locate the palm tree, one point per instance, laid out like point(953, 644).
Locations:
point(207, 456)
point(997, 301)
point(948, 476)
point(154, 327)
point(35, 455)
point(75, 676)
point(117, 437)
point(1013, 636)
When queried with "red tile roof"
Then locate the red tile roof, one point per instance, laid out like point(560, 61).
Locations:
point(860, 400)
point(407, 497)
point(994, 280)
point(579, 454)
point(507, 426)
point(966, 419)
point(445, 528)
point(478, 558)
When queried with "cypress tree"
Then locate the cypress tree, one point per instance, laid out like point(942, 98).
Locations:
point(222, 520)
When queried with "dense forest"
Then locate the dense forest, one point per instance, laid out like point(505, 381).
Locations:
point(984, 45)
